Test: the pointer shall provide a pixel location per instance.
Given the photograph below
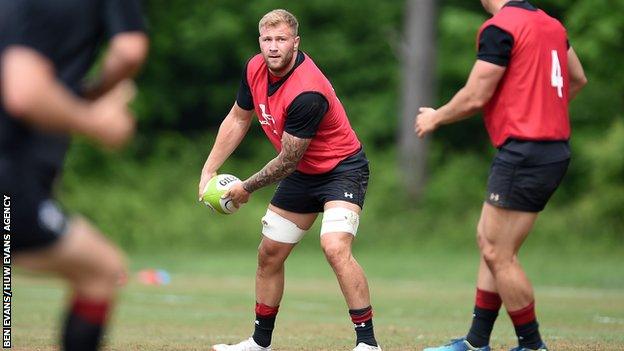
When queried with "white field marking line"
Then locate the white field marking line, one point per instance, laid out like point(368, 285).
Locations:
point(608, 320)
point(574, 292)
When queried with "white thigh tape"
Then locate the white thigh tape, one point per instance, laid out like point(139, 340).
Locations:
point(278, 228)
point(340, 220)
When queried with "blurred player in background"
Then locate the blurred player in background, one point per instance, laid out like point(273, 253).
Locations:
point(524, 77)
point(321, 167)
point(47, 48)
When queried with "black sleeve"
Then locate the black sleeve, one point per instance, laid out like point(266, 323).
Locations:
point(305, 114)
point(28, 26)
point(243, 98)
point(122, 16)
point(495, 46)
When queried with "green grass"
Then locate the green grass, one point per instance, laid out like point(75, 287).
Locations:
point(420, 298)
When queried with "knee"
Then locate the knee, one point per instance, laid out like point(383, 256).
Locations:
point(100, 277)
point(497, 257)
point(497, 260)
point(486, 247)
point(482, 240)
point(113, 268)
point(270, 257)
point(336, 252)
point(488, 250)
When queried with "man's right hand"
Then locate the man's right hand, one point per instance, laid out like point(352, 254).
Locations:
point(110, 121)
point(203, 180)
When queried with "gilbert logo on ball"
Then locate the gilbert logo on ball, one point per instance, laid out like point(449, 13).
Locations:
point(216, 187)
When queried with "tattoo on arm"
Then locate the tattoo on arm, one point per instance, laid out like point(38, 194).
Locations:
point(278, 168)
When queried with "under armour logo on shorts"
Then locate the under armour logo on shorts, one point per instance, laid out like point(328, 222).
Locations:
point(349, 195)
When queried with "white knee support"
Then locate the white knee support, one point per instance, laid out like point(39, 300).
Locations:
point(278, 228)
point(340, 220)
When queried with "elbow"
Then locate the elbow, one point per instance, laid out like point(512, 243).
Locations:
point(138, 55)
point(17, 103)
point(290, 167)
point(17, 88)
point(477, 103)
point(475, 100)
point(582, 81)
point(577, 83)
point(289, 164)
point(131, 49)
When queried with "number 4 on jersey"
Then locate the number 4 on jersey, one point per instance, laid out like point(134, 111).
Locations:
point(556, 79)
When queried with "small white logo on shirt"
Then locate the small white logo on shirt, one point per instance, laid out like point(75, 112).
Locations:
point(361, 325)
point(349, 195)
point(268, 119)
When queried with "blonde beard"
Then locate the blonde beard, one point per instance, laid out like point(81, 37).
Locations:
point(283, 64)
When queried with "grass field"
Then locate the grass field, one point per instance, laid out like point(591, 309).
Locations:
point(420, 298)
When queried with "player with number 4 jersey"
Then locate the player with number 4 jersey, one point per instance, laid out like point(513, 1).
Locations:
point(524, 77)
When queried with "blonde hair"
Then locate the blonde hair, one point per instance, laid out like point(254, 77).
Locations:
point(278, 16)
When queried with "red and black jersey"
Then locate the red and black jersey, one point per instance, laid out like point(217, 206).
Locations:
point(531, 100)
point(303, 88)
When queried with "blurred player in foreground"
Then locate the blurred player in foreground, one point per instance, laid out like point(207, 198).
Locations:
point(47, 48)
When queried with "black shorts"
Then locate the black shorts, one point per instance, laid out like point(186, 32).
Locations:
point(308, 193)
point(523, 187)
point(36, 219)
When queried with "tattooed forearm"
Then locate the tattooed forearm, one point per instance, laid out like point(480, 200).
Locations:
point(278, 168)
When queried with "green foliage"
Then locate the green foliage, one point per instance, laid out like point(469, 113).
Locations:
point(602, 204)
point(151, 203)
point(145, 197)
point(595, 31)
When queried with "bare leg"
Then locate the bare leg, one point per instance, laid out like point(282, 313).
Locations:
point(351, 278)
point(270, 283)
point(93, 266)
point(501, 236)
point(485, 278)
point(502, 233)
point(337, 249)
point(271, 258)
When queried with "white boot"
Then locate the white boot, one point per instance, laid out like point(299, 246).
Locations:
point(246, 345)
point(366, 347)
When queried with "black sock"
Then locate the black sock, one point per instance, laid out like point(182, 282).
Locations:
point(84, 325)
point(481, 328)
point(263, 330)
point(363, 322)
point(529, 335)
point(80, 334)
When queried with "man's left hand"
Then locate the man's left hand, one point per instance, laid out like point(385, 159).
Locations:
point(238, 194)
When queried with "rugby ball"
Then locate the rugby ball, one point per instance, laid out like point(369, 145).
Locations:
point(216, 187)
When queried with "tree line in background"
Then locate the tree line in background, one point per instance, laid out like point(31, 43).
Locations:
point(198, 51)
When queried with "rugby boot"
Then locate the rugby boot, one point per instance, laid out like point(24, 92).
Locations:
point(245, 345)
point(366, 347)
point(460, 344)
point(541, 348)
